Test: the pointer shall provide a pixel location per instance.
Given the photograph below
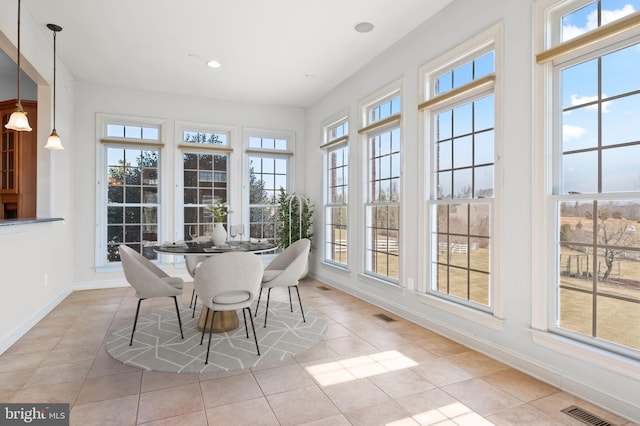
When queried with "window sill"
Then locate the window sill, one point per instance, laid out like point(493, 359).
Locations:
point(592, 355)
point(380, 283)
point(336, 267)
point(483, 318)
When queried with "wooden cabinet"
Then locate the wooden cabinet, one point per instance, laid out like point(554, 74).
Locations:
point(18, 162)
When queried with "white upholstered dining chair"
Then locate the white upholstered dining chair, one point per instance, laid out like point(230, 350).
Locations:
point(285, 271)
point(149, 281)
point(228, 282)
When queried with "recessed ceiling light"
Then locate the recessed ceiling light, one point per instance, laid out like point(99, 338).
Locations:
point(214, 64)
point(364, 27)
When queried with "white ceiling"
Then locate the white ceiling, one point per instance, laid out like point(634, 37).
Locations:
point(280, 52)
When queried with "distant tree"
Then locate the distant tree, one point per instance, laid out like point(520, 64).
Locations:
point(615, 238)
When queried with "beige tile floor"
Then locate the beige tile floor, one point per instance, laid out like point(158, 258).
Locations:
point(364, 372)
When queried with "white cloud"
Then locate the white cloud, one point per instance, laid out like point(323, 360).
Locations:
point(580, 100)
point(614, 15)
point(572, 132)
point(570, 31)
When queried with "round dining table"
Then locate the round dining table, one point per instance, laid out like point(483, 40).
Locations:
point(224, 320)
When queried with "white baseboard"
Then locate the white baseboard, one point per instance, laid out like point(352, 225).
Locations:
point(22, 329)
point(96, 285)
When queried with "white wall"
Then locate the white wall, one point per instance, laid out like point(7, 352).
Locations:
point(91, 99)
point(36, 259)
point(509, 339)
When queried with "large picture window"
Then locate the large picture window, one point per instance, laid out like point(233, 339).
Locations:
point(382, 202)
point(269, 163)
point(205, 168)
point(596, 185)
point(130, 203)
point(460, 115)
point(336, 193)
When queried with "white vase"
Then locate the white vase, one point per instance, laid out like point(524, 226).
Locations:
point(219, 235)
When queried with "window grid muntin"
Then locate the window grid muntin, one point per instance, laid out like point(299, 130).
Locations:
point(205, 181)
point(458, 138)
point(449, 244)
point(600, 148)
point(593, 283)
point(133, 201)
point(382, 258)
point(336, 207)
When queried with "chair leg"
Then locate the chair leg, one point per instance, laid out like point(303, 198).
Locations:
point(206, 318)
point(300, 301)
point(266, 311)
point(213, 319)
point(193, 293)
point(135, 321)
point(195, 302)
point(244, 315)
point(258, 304)
point(290, 304)
point(255, 337)
point(175, 299)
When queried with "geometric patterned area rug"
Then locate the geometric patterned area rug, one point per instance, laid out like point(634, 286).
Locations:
point(157, 344)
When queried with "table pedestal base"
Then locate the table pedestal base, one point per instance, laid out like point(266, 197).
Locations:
point(225, 321)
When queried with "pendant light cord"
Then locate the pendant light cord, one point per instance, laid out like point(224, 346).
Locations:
point(55, 34)
point(19, 104)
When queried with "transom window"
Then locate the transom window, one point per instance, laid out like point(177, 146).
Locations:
point(465, 73)
point(383, 110)
point(267, 143)
point(594, 14)
point(129, 131)
point(206, 138)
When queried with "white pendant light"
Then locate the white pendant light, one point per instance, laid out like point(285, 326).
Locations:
point(54, 140)
point(18, 120)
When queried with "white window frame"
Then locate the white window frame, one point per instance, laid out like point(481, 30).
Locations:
point(544, 225)
point(287, 153)
point(385, 94)
point(183, 147)
point(490, 39)
point(330, 144)
point(102, 141)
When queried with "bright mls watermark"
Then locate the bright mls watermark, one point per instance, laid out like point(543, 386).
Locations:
point(34, 414)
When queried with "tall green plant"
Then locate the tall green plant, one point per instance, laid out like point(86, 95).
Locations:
point(291, 224)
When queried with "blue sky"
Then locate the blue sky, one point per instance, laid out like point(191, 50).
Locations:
point(620, 117)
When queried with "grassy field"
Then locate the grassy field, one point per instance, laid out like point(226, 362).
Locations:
point(617, 321)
